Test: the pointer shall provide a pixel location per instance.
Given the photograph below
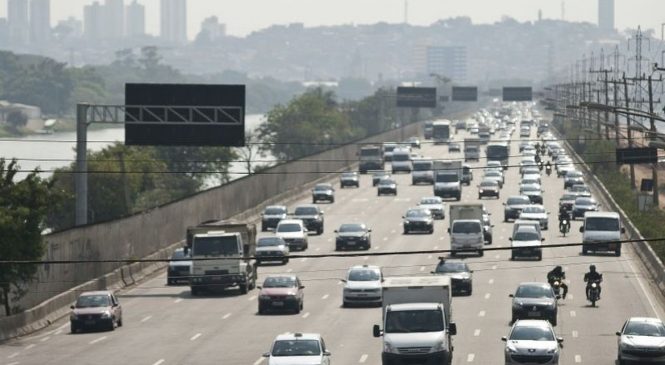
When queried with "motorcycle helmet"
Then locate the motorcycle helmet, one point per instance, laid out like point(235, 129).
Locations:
point(592, 268)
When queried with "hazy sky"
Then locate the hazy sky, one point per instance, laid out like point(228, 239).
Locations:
point(244, 16)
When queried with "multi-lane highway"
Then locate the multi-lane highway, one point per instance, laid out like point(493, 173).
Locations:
point(165, 325)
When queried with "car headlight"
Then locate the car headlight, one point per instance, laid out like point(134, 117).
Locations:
point(552, 351)
point(106, 314)
point(482, 191)
point(517, 305)
point(264, 297)
point(627, 346)
point(510, 349)
point(439, 346)
point(407, 222)
point(389, 348)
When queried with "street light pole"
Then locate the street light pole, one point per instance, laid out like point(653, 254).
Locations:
point(652, 128)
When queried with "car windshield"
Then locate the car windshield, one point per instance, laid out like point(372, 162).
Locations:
point(364, 275)
point(275, 211)
point(493, 173)
point(524, 333)
point(533, 210)
point(422, 166)
point(489, 184)
point(386, 182)
point(518, 201)
point(568, 197)
point(601, 224)
point(348, 174)
point(574, 174)
point(306, 211)
point(526, 236)
point(215, 246)
point(446, 177)
point(179, 255)
point(322, 188)
point(584, 201)
point(529, 188)
point(414, 321)
point(533, 291)
point(92, 301)
point(269, 241)
point(651, 329)
point(448, 267)
point(430, 201)
point(413, 213)
point(351, 228)
point(288, 227)
point(466, 227)
point(279, 282)
point(389, 148)
point(400, 157)
point(296, 348)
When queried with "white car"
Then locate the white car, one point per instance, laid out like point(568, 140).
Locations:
point(641, 341)
point(271, 249)
point(532, 342)
point(363, 286)
point(526, 242)
point(298, 348)
point(293, 232)
point(435, 205)
point(496, 175)
point(537, 213)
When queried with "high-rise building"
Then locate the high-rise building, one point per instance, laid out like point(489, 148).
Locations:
point(447, 61)
point(93, 21)
point(40, 20)
point(4, 31)
point(173, 21)
point(114, 18)
point(212, 28)
point(606, 15)
point(135, 20)
point(17, 21)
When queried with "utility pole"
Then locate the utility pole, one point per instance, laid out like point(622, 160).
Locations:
point(652, 128)
point(629, 131)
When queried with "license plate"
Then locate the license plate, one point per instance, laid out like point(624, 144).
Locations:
point(216, 278)
point(534, 314)
point(278, 304)
point(351, 243)
point(89, 322)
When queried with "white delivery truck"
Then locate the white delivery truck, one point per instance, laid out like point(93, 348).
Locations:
point(448, 179)
point(471, 149)
point(441, 131)
point(417, 320)
point(466, 228)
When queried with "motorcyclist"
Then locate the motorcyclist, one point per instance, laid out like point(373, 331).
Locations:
point(564, 217)
point(557, 274)
point(591, 277)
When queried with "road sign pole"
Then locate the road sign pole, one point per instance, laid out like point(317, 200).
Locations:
point(81, 176)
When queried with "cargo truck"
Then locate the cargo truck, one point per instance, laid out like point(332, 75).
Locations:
point(471, 149)
point(222, 256)
point(484, 133)
point(498, 152)
point(371, 158)
point(441, 131)
point(448, 179)
point(466, 228)
point(417, 320)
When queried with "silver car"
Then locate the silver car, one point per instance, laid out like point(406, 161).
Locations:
point(363, 286)
point(641, 341)
point(272, 249)
point(532, 342)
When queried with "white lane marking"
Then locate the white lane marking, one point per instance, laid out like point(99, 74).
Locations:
point(360, 200)
point(13, 363)
point(195, 337)
point(177, 300)
point(488, 295)
point(578, 358)
point(145, 319)
point(251, 298)
point(303, 259)
point(393, 231)
point(325, 297)
point(98, 340)
point(570, 296)
point(318, 249)
point(422, 268)
point(481, 314)
point(376, 248)
point(436, 247)
point(497, 256)
point(385, 238)
point(470, 357)
point(159, 362)
point(57, 332)
point(329, 239)
point(305, 315)
point(493, 267)
point(289, 270)
point(644, 289)
point(62, 327)
point(13, 355)
point(366, 258)
point(45, 339)
point(260, 360)
point(476, 333)
point(363, 359)
point(573, 314)
point(226, 316)
point(30, 346)
point(429, 257)
point(441, 238)
point(491, 281)
point(575, 334)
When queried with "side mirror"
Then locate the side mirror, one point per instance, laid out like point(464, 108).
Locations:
point(376, 331)
point(432, 272)
point(503, 203)
point(559, 340)
point(542, 240)
point(369, 230)
point(510, 238)
point(504, 338)
point(322, 212)
point(511, 296)
point(335, 231)
point(623, 230)
point(492, 226)
point(343, 280)
point(72, 306)
point(403, 217)
point(548, 213)
point(326, 353)
point(618, 333)
point(266, 354)
point(302, 287)
point(452, 328)
point(558, 296)
point(582, 229)
point(259, 287)
point(448, 230)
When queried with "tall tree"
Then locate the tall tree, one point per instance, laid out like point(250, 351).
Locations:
point(25, 204)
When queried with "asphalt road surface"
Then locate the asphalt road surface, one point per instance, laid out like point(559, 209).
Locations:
point(164, 325)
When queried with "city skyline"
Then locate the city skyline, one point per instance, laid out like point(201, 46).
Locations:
point(242, 18)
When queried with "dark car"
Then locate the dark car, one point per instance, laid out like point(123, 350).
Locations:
point(460, 275)
point(353, 235)
point(96, 309)
point(323, 192)
point(387, 186)
point(272, 215)
point(454, 147)
point(582, 205)
point(418, 219)
point(312, 217)
point(567, 200)
point(178, 270)
point(534, 300)
point(414, 142)
point(487, 229)
point(488, 188)
point(514, 206)
point(349, 179)
point(533, 191)
point(378, 176)
point(281, 293)
point(572, 178)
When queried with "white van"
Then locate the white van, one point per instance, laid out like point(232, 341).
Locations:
point(401, 160)
point(602, 232)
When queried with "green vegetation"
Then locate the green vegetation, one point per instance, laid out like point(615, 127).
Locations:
point(596, 154)
point(25, 204)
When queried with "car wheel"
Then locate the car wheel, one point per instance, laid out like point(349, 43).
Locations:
point(513, 319)
point(553, 320)
point(481, 253)
point(285, 261)
point(264, 228)
point(617, 252)
point(498, 196)
point(73, 328)
point(194, 291)
point(319, 231)
point(470, 290)
point(512, 256)
point(111, 326)
point(244, 288)
point(406, 231)
point(431, 230)
point(345, 304)
point(332, 200)
point(540, 257)
point(479, 196)
point(505, 218)
point(584, 250)
point(169, 281)
point(261, 310)
point(338, 248)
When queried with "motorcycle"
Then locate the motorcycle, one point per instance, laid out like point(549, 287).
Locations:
point(548, 170)
point(564, 226)
point(593, 292)
point(556, 286)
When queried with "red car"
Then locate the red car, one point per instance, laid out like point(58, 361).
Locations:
point(283, 292)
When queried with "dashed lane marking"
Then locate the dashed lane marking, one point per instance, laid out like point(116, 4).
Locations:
point(470, 357)
point(366, 258)
point(45, 339)
point(303, 259)
point(429, 257)
point(146, 319)
point(196, 336)
point(497, 256)
point(488, 295)
point(363, 359)
point(177, 300)
point(98, 340)
point(30, 346)
point(476, 333)
point(393, 231)
point(251, 298)
point(289, 270)
point(13, 363)
point(260, 360)
point(385, 238)
point(436, 247)
point(575, 334)
point(441, 238)
point(570, 296)
point(13, 355)
point(325, 297)
point(318, 249)
point(226, 316)
point(493, 267)
point(159, 362)
point(491, 281)
point(329, 240)
point(573, 314)
point(305, 315)
point(481, 314)
point(578, 358)
point(422, 268)
point(376, 248)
